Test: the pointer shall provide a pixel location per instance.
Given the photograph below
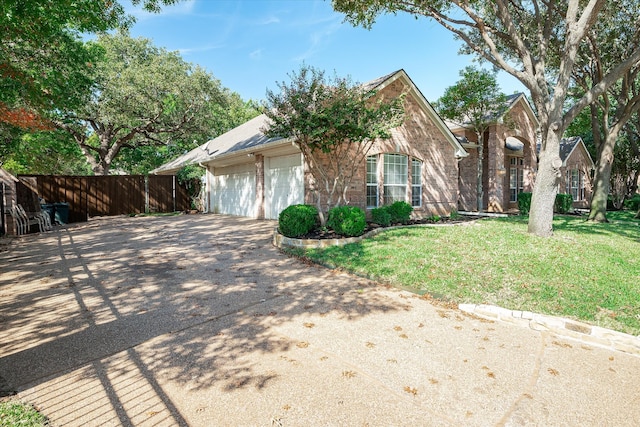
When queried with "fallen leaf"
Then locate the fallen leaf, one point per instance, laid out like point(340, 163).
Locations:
point(411, 390)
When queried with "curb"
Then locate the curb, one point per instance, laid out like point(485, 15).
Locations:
point(582, 332)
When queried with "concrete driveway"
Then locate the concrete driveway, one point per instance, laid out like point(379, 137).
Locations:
point(197, 320)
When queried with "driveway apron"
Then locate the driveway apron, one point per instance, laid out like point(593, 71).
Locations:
point(197, 320)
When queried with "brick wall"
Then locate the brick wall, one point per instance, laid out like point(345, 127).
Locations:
point(578, 160)
point(417, 138)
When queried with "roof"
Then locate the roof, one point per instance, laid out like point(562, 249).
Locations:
point(249, 135)
point(569, 145)
point(498, 114)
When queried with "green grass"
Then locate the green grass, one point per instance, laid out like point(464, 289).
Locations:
point(586, 271)
point(14, 413)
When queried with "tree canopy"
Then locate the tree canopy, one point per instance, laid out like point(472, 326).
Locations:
point(334, 122)
point(535, 41)
point(43, 62)
point(142, 96)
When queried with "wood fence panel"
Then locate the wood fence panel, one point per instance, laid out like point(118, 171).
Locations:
point(108, 195)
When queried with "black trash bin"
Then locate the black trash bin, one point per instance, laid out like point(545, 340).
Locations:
point(61, 212)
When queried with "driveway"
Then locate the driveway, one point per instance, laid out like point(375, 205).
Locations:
point(198, 320)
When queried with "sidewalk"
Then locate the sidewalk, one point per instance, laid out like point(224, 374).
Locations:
point(197, 320)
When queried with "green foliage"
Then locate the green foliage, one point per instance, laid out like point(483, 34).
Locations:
point(46, 153)
point(347, 220)
point(15, 413)
point(45, 66)
point(524, 203)
point(563, 203)
point(454, 214)
point(144, 96)
point(400, 212)
point(191, 178)
point(330, 119)
point(476, 99)
point(633, 203)
point(381, 216)
point(434, 218)
point(297, 220)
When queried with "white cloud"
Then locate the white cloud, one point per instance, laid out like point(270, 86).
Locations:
point(256, 54)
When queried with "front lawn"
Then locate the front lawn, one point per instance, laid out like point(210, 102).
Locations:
point(586, 271)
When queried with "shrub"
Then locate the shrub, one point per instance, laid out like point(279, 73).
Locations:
point(633, 204)
point(297, 220)
point(563, 203)
point(400, 212)
point(381, 216)
point(347, 220)
point(524, 203)
point(434, 218)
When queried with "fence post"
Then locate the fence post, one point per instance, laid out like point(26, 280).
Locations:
point(174, 192)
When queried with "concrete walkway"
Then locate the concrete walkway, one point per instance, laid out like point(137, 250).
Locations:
point(199, 321)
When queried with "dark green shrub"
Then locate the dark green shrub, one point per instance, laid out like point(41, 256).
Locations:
point(381, 216)
point(633, 204)
point(563, 203)
point(400, 212)
point(297, 220)
point(347, 220)
point(524, 203)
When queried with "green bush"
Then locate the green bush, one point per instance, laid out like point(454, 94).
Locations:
point(347, 220)
point(633, 204)
point(400, 212)
point(381, 216)
point(297, 220)
point(563, 203)
point(524, 203)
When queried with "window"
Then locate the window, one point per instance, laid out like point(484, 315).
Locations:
point(575, 184)
point(516, 178)
point(372, 181)
point(416, 183)
point(396, 178)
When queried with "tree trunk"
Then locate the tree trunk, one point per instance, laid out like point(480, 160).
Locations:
point(480, 192)
point(602, 179)
point(546, 188)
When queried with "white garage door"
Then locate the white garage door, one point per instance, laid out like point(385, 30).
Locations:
point(284, 184)
point(235, 192)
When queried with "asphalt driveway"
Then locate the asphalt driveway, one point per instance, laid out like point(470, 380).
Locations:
point(198, 320)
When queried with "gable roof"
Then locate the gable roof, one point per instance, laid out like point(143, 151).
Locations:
point(495, 116)
point(384, 81)
point(569, 145)
point(249, 135)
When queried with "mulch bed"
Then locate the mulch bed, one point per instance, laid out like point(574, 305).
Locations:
point(320, 234)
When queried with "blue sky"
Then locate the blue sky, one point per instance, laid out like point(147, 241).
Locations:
point(249, 45)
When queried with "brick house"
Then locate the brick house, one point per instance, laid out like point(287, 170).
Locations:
point(576, 171)
point(509, 158)
point(248, 174)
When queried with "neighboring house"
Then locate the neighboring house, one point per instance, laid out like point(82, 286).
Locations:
point(509, 158)
point(248, 174)
point(576, 171)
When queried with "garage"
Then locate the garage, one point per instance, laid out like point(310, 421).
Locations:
point(234, 190)
point(284, 183)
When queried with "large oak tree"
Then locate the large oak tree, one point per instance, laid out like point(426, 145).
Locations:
point(521, 37)
point(142, 96)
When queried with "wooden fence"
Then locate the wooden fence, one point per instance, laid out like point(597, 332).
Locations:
point(90, 196)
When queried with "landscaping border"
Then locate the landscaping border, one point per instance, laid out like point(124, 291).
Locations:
point(281, 241)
